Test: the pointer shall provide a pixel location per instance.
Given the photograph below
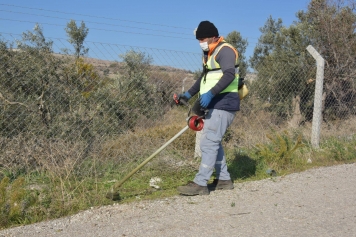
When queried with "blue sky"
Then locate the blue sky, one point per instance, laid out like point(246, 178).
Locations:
point(153, 24)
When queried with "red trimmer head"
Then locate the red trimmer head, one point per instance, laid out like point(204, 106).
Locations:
point(195, 123)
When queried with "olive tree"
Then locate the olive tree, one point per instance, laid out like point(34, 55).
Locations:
point(240, 44)
point(76, 36)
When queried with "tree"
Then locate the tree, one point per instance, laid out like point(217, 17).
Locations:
point(36, 40)
point(30, 76)
point(266, 43)
point(137, 63)
point(281, 63)
point(137, 96)
point(240, 44)
point(77, 36)
point(286, 70)
point(331, 26)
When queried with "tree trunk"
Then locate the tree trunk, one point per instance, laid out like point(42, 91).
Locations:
point(297, 116)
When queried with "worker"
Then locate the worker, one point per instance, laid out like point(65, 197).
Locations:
point(218, 90)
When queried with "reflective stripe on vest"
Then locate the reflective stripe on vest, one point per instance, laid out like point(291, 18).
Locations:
point(214, 72)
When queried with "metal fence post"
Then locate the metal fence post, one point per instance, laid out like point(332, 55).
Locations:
point(318, 97)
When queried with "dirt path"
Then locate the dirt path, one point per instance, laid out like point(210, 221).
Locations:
point(318, 202)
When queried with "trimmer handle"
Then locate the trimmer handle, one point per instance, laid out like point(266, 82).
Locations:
point(179, 100)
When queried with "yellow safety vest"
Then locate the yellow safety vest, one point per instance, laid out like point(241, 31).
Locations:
point(212, 71)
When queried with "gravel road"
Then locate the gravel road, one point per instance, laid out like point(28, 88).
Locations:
point(317, 202)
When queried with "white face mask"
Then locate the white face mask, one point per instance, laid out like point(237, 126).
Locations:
point(204, 46)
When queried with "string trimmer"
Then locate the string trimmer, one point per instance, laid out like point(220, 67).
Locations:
point(195, 123)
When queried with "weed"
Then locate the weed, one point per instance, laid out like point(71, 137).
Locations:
point(63, 186)
point(279, 153)
point(340, 149)
point(14, 202)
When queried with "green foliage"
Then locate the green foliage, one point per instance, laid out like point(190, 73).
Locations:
point(340, 149)
point(43, 90)
point(138, 97)
point(236, 40)
point(13, 202)
point(138, 64)
point(36, 40)
point(26, 77)
point(285, 69)
point(60, 96)
point(279, 154)
point(283, 65)
point(266, 42)
point(331, 26)
point(77, 36)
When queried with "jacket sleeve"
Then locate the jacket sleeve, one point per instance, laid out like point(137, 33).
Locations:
point(195, 88)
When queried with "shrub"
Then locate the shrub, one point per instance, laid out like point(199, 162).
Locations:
point(279, 153)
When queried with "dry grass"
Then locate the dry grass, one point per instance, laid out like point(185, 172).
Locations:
point(61, 157)
point(134, 146)
point(73, 176)
point(22, 153)
point(252, 130)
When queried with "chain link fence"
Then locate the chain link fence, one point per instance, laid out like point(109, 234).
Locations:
point(103, 114)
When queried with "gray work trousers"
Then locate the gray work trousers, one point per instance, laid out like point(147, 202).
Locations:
point(215, 125)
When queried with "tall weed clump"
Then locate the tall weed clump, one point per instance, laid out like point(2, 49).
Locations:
point(279, 153)
point(339, 149)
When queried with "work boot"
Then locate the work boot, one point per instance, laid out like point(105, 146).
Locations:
point(219, 184)
point(192, 189)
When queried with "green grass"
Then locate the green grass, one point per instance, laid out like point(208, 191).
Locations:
point(29, 197)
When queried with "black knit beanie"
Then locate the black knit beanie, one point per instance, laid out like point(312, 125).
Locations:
point(206, 29)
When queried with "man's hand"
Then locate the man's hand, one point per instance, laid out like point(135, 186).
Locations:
point(182, 98)
point(205, 99)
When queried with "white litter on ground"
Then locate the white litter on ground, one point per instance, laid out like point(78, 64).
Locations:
point(154, 181)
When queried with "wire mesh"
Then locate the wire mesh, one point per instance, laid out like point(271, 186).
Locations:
point(113, 107)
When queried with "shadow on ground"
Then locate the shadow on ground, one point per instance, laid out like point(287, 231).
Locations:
point(242, 167)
